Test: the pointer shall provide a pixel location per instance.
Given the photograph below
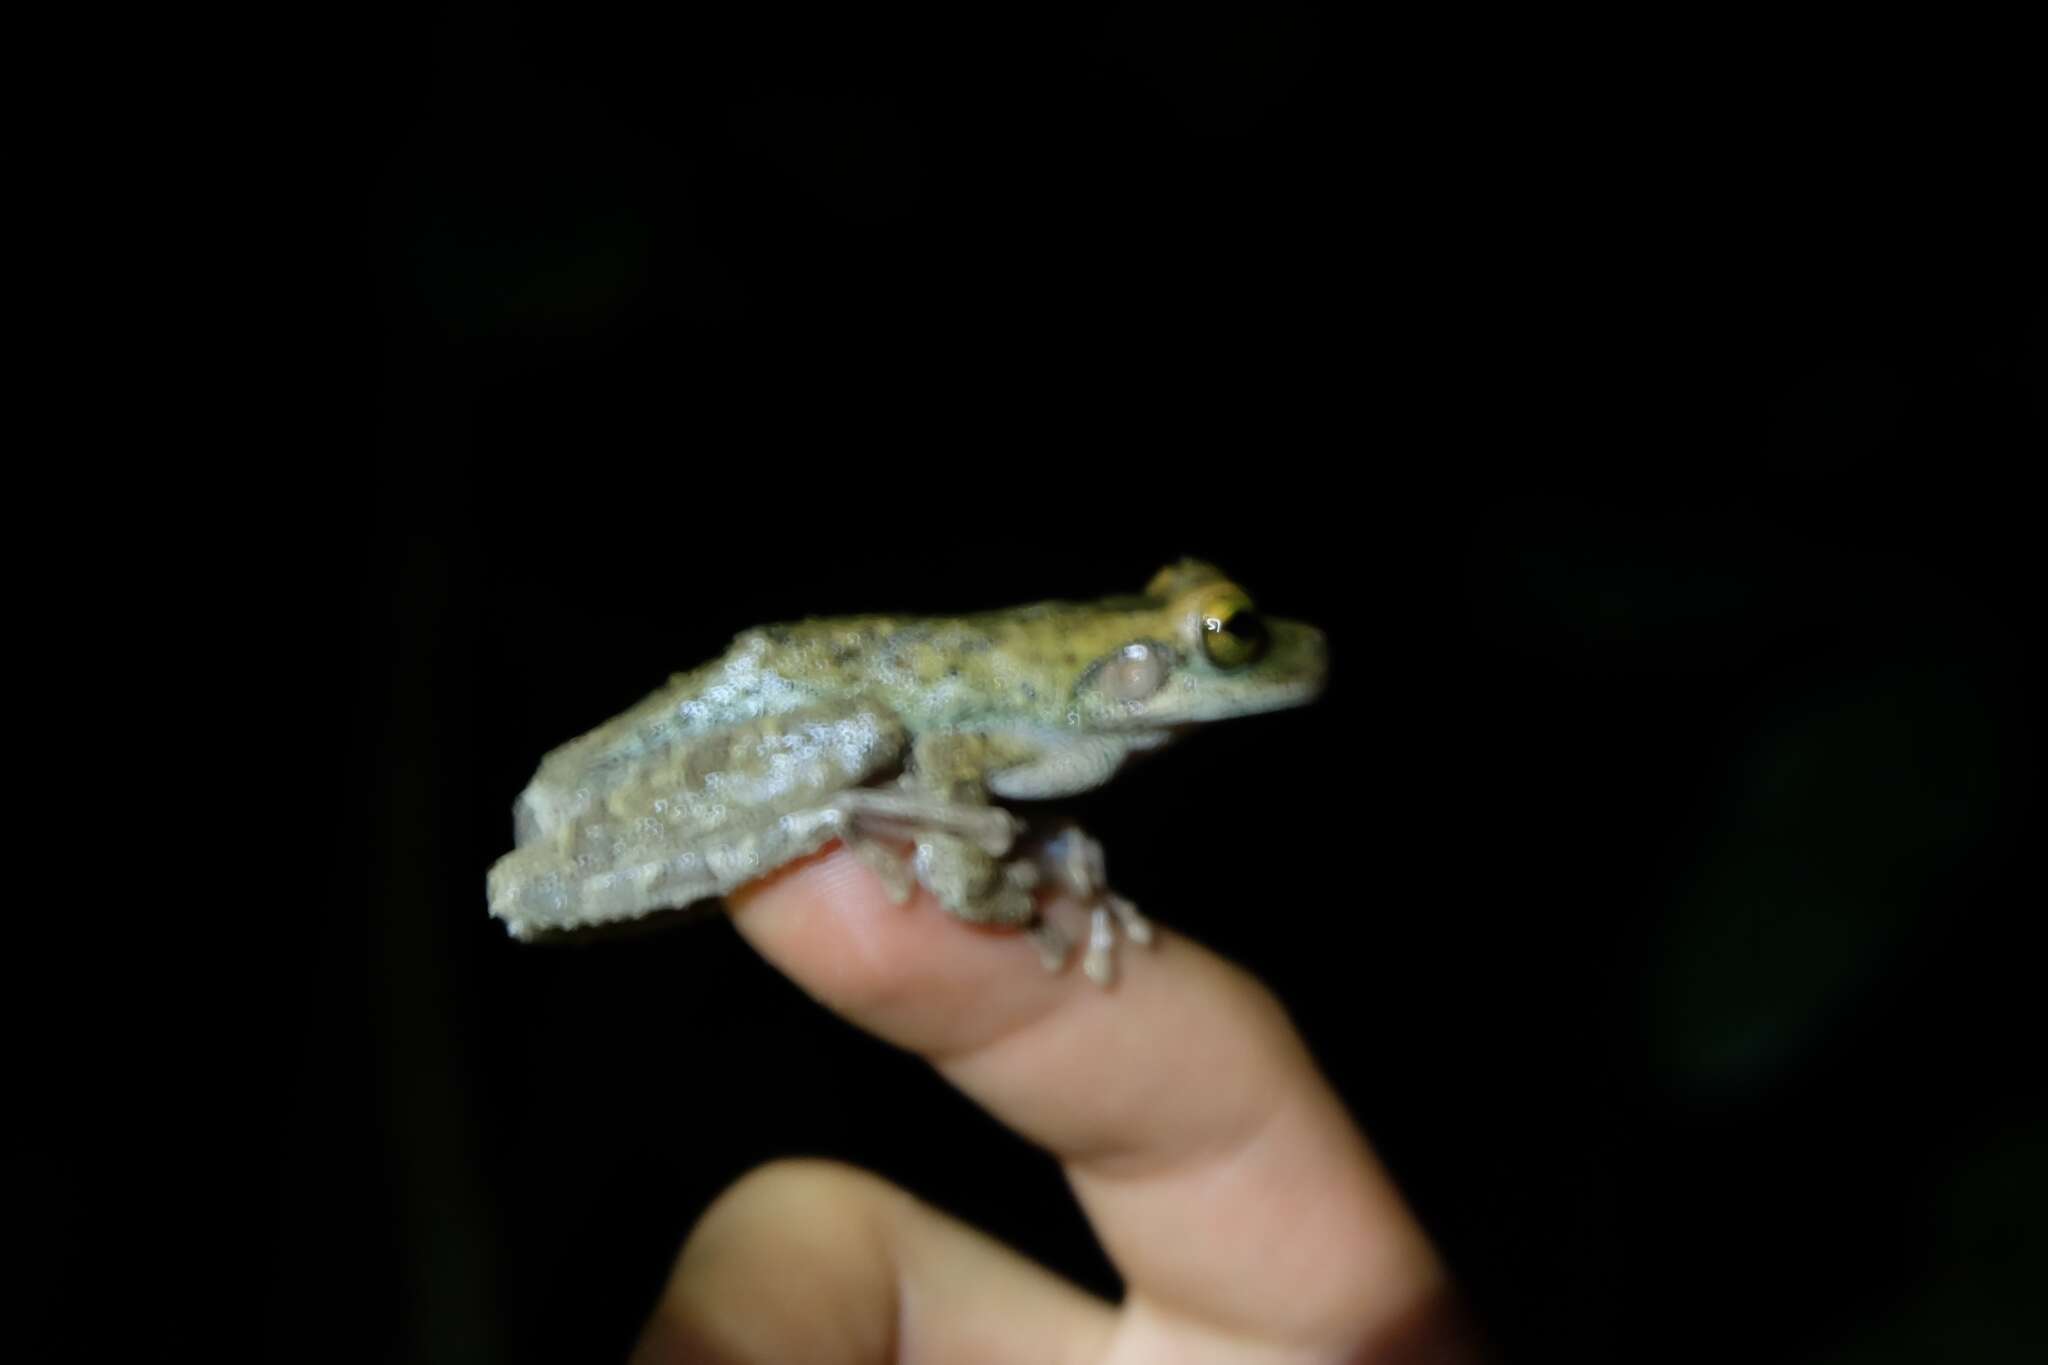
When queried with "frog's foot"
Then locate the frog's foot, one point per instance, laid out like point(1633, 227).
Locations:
point(958, 855)
point(973, 885)
point(891, 867)
point(1074, 863)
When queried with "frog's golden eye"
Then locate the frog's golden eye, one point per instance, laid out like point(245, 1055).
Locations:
point(1233, 632)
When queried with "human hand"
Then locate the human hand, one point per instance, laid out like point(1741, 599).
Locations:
point(1245, 1212)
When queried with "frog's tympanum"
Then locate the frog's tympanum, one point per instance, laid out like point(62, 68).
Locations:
point(891, 733)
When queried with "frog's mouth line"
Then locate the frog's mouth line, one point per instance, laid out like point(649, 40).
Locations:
point(1278, 701)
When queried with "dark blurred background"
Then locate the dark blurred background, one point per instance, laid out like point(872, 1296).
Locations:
point(1644, 413)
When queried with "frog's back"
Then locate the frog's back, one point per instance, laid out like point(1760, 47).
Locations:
point(993, 669)
point(692, 706)
point(711, 812)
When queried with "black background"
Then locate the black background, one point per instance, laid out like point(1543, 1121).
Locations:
point(1643, 412)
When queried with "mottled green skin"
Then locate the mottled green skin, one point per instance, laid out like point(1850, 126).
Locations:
point(1029, 666)
point(721, 775)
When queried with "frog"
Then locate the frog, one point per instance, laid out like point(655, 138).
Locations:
point(904, 738)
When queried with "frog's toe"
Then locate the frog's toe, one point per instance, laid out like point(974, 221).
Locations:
point(1022, 874)
point(1099, 962)
point(1052, 943)
point(1109, 918)
point(889, 866)
point(1013, 901)
point(1074, 861)
point(1136, 927)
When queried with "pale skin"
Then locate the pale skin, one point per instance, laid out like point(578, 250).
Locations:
point(1248, 1217)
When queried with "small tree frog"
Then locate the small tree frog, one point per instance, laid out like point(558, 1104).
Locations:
point(894, 733)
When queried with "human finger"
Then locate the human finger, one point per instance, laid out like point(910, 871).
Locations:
point(1221, 1173)
point(817, 1262)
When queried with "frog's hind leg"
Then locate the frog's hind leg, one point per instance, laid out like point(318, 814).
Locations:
point(959, 855)
point(957, 851)
point(904, 812)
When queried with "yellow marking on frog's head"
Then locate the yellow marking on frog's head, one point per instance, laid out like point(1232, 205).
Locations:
point(1194, 648)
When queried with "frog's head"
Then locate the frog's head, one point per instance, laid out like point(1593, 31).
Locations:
point(1195, 650)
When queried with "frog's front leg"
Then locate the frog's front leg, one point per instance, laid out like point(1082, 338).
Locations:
point(1075, 863)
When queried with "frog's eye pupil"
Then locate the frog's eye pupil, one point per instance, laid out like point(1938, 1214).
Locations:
point(1233, 636)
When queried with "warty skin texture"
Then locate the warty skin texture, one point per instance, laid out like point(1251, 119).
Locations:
point(889, 729)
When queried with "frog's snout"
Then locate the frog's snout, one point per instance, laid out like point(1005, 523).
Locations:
point(1301, 657)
